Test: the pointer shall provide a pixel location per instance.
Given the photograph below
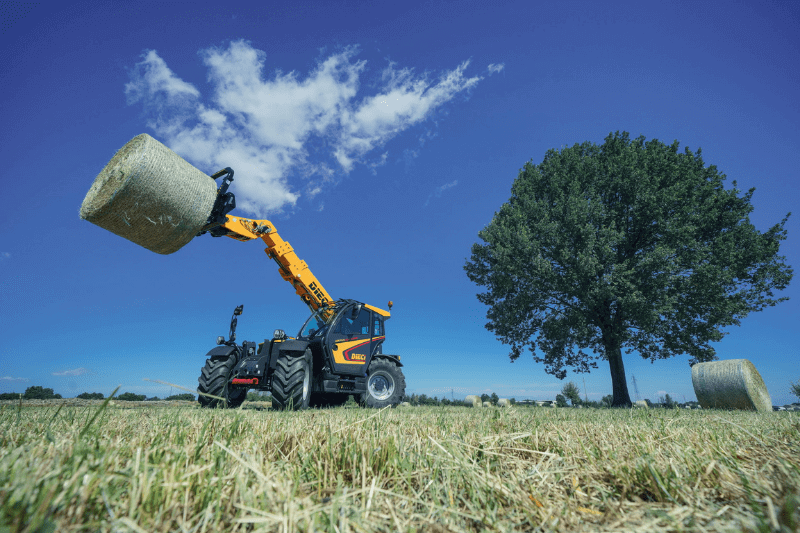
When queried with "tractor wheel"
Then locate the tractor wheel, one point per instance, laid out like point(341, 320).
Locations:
point(327, 399)
point(386, 384)
point(291, 382)
point(214, 380)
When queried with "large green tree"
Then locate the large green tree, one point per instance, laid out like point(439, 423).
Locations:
point(628, 245)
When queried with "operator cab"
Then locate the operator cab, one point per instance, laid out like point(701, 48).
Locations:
point(348, 336)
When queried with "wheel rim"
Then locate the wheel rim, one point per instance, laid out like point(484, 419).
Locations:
point(306, 381)
point(381, 386)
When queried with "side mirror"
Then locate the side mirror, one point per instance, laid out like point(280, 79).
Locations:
point(238, 310)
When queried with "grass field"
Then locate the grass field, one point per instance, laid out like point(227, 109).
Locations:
point(427, 469)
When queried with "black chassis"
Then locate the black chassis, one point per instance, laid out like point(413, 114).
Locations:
point(257, 363)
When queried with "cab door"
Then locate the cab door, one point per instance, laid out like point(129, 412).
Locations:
point(378, 335)
point(351, 341)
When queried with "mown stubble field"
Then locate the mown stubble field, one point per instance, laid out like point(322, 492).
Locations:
point(425, 469)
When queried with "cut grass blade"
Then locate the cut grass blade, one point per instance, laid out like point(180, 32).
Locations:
point(97, 413)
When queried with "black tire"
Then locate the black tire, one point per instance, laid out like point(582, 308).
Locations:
point(386, 384)
point(291, 382)
point(214, 379)
point(327, 399)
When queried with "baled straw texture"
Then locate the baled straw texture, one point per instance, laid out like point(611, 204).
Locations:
point(475, 401)
point(487, 404)
point(641, 403)
point(730, 384)
point(503, 402)
point(150, 195)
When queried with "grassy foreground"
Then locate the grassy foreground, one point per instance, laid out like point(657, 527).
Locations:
point(428, 469)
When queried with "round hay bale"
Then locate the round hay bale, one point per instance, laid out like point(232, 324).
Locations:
point(487, 404)
point(642, 404)
point(503, 402)
point(404, 404)
point(473, 401)
point(730, 384)
point(150, 195)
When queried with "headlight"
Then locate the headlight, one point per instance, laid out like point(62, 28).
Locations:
point(279, 334)
point(220, 340)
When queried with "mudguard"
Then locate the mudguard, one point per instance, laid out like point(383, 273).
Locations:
point(393, 358)
point(293, 345)
point(220, 352)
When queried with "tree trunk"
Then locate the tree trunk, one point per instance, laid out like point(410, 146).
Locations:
point(618, 381)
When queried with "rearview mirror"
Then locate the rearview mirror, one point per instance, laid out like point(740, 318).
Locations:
point(238, 310)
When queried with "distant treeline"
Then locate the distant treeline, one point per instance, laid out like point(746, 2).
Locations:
point(561, 401)
point(31, 393)
point(40, 393)
point(424, 399)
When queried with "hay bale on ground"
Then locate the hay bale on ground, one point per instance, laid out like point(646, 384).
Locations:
point(404, 404)
point(472, 400)
point(503, 402)
point(642, 404)
point(487, 404)
point(150, 195)
point(730, 384)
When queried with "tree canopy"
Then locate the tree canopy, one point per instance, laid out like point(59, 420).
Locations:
point(131, 397)
point(37, 392)
point(570, 392)
point(90, 396)
point(627, 245)
point(795, 388)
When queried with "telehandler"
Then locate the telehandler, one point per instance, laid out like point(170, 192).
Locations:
point(337, 352)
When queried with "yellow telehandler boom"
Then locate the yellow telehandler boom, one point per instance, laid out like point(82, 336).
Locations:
point(291, 268)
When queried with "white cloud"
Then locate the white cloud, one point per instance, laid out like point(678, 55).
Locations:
point(263, 127)
point(9, 378)
point(4, 255)
point(495, 68)
point(73, 372)
point(439, 190)
point(152, 77)
point(381, 161)
point(446, 186)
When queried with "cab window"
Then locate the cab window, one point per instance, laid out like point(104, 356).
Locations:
point(377, 326)
point(357, 326)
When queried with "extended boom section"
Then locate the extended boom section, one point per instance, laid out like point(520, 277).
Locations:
point(291, 268)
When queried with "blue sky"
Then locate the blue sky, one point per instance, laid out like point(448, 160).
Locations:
point(379, 138)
